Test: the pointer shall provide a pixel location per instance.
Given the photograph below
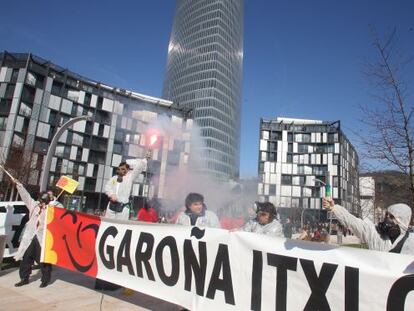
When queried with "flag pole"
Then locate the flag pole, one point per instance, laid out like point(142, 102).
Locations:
point(8, 174)
point(59, 194)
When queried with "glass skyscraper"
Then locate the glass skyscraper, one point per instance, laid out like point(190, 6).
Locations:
point(204, 73)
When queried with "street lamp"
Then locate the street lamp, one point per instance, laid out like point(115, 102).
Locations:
point(45, 172)
point(318, 180)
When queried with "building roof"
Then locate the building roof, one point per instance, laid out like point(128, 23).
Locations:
point(57, 68)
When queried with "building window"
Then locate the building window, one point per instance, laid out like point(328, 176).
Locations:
point(3, 123)
point(336, 159)
point(40, 146)
point(320, 149)
point(90, 184)
point(118, 148)
point(316, 192)
point(275, 135)
point(56, 87)
point(272, 146)
point(9, 91)
point(5, 106)
point(333, 138)
point(25, 110)
point(286, 179)
point(15, 75)
point(302, 148)
point(265, 135)
point(261, 167)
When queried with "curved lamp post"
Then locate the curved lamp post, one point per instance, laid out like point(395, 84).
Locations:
point(45, 172)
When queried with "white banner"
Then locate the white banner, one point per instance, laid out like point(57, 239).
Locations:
point(214, 269)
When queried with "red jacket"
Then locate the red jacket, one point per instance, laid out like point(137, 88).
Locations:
point(149, 215)
point(231, 223)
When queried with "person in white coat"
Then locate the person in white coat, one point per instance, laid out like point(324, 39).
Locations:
point(196, 213)
point(30, 245)
point(266, 221)
point(392, 234)
point(119, 187)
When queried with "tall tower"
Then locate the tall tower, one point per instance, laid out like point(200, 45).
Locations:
point(204, 73)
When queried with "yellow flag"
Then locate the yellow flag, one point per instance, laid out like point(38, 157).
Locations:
point(67, 184)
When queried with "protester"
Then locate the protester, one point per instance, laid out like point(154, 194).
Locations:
point(287, 229)
point(304, 235)
point(29, 250)
point(230, 221)
point(148, 212)
point(266, 220)
point(339, 234)
point(392, 234)
point(325, 236)
point(196, 213)
point(53, 199)
point(316, 235)
point(119, 187)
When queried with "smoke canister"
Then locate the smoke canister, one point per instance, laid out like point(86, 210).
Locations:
point(328, 192)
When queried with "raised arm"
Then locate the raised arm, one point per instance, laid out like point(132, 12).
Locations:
point(26, 198)
point(139, 167)
point(362, 229)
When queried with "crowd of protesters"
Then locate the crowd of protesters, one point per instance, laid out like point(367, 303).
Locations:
point(392, 234)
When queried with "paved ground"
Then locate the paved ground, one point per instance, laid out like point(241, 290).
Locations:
point(70, 291)
point(349, 239)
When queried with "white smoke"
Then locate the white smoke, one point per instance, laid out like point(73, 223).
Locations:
point(180, 181)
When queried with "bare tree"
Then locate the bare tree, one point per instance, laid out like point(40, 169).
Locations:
point(20, 165)
point(390, 137)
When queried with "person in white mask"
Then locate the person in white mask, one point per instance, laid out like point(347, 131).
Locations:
point(392, 234)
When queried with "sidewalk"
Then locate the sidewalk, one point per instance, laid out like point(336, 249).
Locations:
point(348, 239)
point(70, 291)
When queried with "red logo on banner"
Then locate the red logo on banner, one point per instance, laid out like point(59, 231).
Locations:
point(71, 239)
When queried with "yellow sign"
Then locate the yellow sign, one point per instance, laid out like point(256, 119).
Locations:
point(67, 184)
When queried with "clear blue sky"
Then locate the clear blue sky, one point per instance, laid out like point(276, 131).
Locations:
point(301, 58)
